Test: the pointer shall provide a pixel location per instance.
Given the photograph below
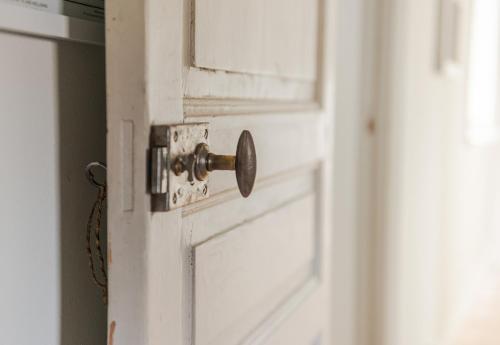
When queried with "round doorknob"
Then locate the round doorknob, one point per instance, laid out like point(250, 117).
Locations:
point(244, 163)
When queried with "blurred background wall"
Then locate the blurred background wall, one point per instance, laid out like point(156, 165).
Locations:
point(417, 167)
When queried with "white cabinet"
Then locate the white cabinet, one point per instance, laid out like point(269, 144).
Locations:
point(52, 111)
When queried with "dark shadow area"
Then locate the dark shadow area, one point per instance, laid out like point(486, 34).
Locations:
point(82, 138)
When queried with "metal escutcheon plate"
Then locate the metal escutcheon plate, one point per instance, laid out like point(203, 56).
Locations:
point(168, 190)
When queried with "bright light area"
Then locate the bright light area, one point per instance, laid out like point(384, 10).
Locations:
point(482, 119)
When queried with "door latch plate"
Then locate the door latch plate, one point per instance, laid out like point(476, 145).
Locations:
point(171, 190)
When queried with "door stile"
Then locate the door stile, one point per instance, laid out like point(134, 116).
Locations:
point(144, 38)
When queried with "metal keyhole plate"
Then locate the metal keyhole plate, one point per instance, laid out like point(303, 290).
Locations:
point(169, 190)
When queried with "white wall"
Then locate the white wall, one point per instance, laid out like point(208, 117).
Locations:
point(347, 156)
point(52, 111)
point(437, 196)
point(353, 179)
point(415, 101)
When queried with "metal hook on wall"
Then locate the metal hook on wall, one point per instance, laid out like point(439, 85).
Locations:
point(90, 173)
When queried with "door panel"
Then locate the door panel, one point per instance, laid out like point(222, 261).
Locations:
point(263, 259)
point(253, 50)
point(276, 38)
point(265, 248)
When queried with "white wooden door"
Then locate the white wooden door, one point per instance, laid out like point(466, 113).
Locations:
point(225, 270)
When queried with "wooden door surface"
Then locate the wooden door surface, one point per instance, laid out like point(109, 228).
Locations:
point(224, 270)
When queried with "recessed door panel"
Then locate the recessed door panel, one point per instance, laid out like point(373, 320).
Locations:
point(263, 37)
point(246, 272)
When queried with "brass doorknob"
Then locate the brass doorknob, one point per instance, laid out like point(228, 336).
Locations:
point(245, 163)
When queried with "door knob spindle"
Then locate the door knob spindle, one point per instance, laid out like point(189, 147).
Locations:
point(244, 163)
point(202, 162)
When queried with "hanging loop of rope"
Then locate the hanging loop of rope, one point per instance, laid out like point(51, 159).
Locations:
point(94, 229)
